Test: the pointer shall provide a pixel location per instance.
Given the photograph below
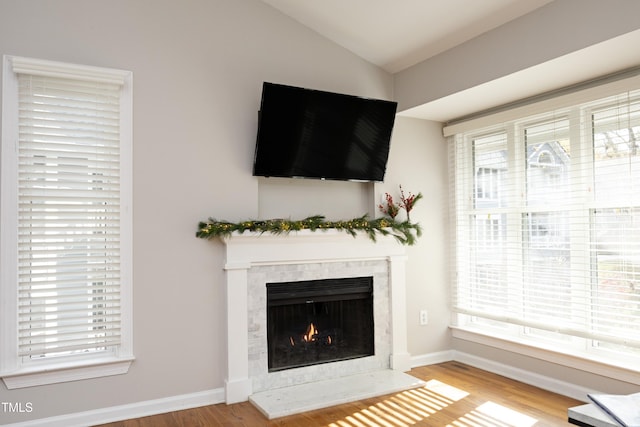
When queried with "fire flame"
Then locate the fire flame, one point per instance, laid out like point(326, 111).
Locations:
point(311, 334)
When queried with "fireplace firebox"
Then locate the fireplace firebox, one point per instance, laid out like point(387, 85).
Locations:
point(319, 321)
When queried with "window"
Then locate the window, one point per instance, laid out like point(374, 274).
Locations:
point(547, 230)
point(66, 222)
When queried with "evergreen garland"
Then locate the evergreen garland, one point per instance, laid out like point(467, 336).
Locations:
point(405, 232)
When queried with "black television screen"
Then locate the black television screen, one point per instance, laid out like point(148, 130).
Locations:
point(316, 134)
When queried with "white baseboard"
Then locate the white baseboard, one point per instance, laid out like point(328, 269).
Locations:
point(132, 410)
point(522, 375)
point(432, 358)
point(215, 396)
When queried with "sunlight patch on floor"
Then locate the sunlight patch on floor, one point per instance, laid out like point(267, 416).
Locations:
point(510, 416)
point(446, 390)
point(399, 410)
point(413, 406)
point(491, 414)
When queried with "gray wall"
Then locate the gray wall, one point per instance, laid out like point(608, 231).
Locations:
point(198, 70)
point(557, 29)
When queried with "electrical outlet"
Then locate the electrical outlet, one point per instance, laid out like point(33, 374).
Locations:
point(424, 317)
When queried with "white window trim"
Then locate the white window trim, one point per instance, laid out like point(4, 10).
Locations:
point(12, 371)
point(623, 368)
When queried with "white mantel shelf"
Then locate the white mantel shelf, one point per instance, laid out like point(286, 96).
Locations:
point(250, 249)
point(306, 246)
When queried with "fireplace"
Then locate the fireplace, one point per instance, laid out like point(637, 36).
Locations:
point(255, 260)
point(319, 321)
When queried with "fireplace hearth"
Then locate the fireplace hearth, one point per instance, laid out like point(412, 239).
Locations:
point(319, 321)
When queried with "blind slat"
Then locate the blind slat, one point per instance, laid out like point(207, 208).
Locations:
point(69, 201)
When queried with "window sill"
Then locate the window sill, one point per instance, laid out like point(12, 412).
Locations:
point(627, 372)
point(65, 372)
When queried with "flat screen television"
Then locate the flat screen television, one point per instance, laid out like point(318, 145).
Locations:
point(306, 133)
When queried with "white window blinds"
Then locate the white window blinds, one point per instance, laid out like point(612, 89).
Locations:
point(547, 226)
point(68, 215)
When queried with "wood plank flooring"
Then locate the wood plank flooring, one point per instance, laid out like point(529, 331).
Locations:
point(456, 395)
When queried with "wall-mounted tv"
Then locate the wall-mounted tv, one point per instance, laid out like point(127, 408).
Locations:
point(306, 133)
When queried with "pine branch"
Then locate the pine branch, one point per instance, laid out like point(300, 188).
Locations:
point(405, 232)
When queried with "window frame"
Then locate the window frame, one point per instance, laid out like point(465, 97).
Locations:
point(15, 372)
point(579, 352)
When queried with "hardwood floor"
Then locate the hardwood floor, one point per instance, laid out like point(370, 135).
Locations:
point(456, 395)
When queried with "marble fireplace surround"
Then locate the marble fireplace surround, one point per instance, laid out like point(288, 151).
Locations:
point(254, 259)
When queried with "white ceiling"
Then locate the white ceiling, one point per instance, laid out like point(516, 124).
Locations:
point(396, 34)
